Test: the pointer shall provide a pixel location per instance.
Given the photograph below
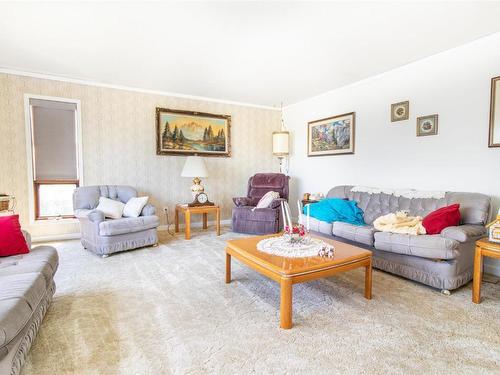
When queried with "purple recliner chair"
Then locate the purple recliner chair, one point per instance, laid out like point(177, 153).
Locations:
point(261, 220)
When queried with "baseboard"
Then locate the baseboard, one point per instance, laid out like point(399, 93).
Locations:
point(194, 225)
point(56, 237)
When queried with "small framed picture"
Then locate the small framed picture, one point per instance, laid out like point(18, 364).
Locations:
point(427, 125)
point(400, 111)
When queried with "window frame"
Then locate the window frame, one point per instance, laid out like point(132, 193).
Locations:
point(34, 185)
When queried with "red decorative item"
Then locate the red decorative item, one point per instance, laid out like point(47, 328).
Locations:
point(12, 241)
point(444, 217)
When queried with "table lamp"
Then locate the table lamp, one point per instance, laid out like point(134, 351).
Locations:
point(195, 167)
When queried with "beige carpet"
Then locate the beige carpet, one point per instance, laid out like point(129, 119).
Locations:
point(167, 310)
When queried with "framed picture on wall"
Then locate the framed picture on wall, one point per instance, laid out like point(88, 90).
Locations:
point(331, 136)
point(192, 133)
point(494, 136)
point(427, 125)
point(400, 111)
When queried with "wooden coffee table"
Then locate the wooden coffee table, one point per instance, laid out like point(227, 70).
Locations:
point(289, 271)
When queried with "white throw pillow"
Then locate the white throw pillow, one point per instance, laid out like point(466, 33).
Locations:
point(110, 208)
point(134, 206)
point(266, 200)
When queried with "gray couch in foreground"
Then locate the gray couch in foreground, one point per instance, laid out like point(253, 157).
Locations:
point(26, 290)
point(106, 236)
point(443, 261)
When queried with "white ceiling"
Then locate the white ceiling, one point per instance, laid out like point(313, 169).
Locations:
point(252, 52)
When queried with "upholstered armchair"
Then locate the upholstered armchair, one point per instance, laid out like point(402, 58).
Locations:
point(106, 236)
point(247, 218)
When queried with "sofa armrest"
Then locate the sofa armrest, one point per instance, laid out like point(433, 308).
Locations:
point(464, 233)
point(148, 210)
point(95, 216)
point(276, 203)
point(243, 201)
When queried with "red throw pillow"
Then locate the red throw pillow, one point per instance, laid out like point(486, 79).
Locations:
point(444, 217)
point(12, 241)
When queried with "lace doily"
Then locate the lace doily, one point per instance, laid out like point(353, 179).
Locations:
point(282, 247)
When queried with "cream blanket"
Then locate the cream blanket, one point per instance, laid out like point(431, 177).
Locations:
point(400, 222)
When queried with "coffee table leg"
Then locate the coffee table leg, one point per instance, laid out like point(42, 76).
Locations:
point(368, 280)
point(228, 268)
point(286, 303)
point(478, 270)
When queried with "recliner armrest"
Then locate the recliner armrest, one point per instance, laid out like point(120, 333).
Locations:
point(148, 210)
point(464, 233)
point(243, 201)
point(277, 202)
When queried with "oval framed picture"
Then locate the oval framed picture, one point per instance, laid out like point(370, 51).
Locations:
point(427, 125)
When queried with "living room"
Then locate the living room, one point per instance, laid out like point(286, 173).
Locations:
point(249, 187)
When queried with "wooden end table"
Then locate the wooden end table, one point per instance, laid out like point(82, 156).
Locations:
point(188, 211)
point(483, 248)
point(289, 271)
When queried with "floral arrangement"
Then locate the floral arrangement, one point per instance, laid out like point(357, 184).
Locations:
point(296, 229)
point(295, 233)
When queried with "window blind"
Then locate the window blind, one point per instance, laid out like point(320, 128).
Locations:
point(54, 140)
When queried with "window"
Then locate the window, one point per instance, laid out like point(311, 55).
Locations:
point(54, 150)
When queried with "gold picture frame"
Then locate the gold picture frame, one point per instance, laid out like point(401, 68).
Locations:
point(187, 133)
point(427, 125)
point(400, 111)
point(494, 129)
point(332, 135)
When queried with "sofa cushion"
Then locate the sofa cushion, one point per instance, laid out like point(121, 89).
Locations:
point(443, 217)
point(425, 246)
point(41, 259)
point(464, 233)
point(357, 233)
point(12, 240)
point(316, 225)
point(110, 208)
point(127, 225)
point(19, 297)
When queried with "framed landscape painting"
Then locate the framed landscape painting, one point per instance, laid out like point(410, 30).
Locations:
point(331, 136)
point(192, 133)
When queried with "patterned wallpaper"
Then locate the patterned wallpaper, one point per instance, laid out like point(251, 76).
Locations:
point(119, 145)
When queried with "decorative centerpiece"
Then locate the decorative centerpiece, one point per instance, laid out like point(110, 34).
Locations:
point(295, 241)
point(295, 233)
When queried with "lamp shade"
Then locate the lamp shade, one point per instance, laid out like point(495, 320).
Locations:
point(281, 143)
point(194, 167)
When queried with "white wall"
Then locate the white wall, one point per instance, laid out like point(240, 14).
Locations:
point(454, 84)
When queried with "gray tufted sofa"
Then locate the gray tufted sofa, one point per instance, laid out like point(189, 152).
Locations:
point(443, 261)
point(106, 236)
point(26, 290)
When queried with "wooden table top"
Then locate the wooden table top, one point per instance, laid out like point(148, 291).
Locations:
point(487, 244)
point(343, 254)
point(185, 207)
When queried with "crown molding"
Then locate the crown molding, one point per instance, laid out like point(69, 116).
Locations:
point(77, 81)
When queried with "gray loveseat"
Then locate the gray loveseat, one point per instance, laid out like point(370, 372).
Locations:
point(26, 290)
point(106, 236)
point(443, 261)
